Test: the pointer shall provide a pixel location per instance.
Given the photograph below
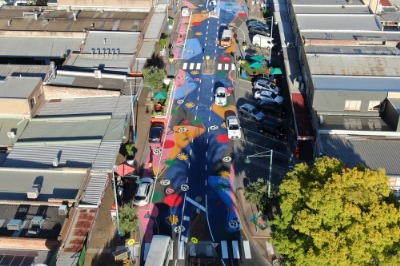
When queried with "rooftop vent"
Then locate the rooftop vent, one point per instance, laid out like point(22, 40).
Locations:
point(63, 210)
point(34, 192)
point(12, 133)
point(14, 225)
point(97, 74)
point(36, 224)
point(56, 162)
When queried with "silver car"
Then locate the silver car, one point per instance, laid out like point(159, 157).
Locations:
point(143, 192)
point(263, 95)
point(220, 96)
point(251, 111)
point(263, 84)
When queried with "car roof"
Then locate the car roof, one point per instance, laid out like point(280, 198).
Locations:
point(232, 119)
point(268, 123)
point(265, 92)
point(141, 191)
point(221, 88)
point(248, 106)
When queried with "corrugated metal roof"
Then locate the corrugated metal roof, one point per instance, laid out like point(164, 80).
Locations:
point(38, 46)
point(354, 50)
point(147, 49)
point(16, 87)
point(123, 107)
point(111, 64)
point(25, 71)
point(126, 42)
point(337, 22)
point(390, 17)
point(356, 83)
point(68, 258)
point(79, 107)
point(139, 65)
point(6, 125)
point(373, 152)
point(396, 103)
point(350, 35)
point(327, 2)
point(49, 230)
point(15, 183)
point(64, 131)
point(357, 65)
point(105, 158)
point(156, 25)
point(95, 189)
point(329, 9)
point(70, 155)
point(354, 123)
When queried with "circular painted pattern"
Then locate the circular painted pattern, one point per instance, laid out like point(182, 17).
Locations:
point(169, 191)
point(198, 33)
point(203, 11)
point(182, 130)
point(232, 23)
point(165, 182)
point(194, 240)
point(157, 151)
point(194, 72)
point(173, 200)
point(227, 159)
point(233, 224)
point(213, 127)
point(179, 229)
point(180, 101)
point(198, 199)
point(169, 144)
point(190, 105)
point(200, 5)
point(242, 14)
point(223, 138)
point(225, 59)
point(196, 23)
point(184, 187)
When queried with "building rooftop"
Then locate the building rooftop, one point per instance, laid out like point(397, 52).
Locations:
point(119, 42)
point(356, 83)
point(349, 35)
point(111, 64)
point(16, 125)
point(156, 25)
point(354, 65)
point(354, 123)
point(331, 9)
point(396, 103)
point(327, 2)
point(349, 22)
point(39, 46)
point(63, 20)
point(50, 229)
point(389, 17)
point(18, 87)
point(374, 152)
point(40, 71)
point(75, 81)
point(23, 257)
point(353, 50)
point(55, 184)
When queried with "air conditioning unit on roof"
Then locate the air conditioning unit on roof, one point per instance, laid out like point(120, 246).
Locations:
point(36, 224)
point(63, 210)
point(14, 225)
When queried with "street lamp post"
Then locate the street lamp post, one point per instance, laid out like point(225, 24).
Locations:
point(244, 49)
point(262, 154)
point(133, 115)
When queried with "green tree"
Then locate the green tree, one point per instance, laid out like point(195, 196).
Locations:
point(128, 219)
point(332, 215)
point(257, 193)
point(154, 77)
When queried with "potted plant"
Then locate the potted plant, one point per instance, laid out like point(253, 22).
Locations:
point(170, 23)
point(130, 153)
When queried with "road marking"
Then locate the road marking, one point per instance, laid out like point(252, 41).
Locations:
point(224, 248)
point(217, 27)
point(270, 249)
point(200, 81)
point(211, 89)
point(184, 65)
point(207, 26)
point(181, 252)
point(198, 97)
point(146, 250)
point(205, 44)
point(210, 98)
point(199, 88)
point(196, 204)
point(209, 118)
point(206, 182)
point(190, 152)
point(171, 253)
point(212, 81)
point(206, 38)
point(235, 247)
point(219, 66)
point(246, 247)
point(189, 166)
point(226, 66)
point(197, 107)
point(207, 141)
point(187, 180)
point(198, 66)
point(206, 167)
point(203, 57)
point(207, 32)
point(215, 51)
point(208, 22)
point(233, 67)
point(186, 218)
point(206, 155)
point(184, 239)
point(216, 38)
point(191, 65)
point(215, 44)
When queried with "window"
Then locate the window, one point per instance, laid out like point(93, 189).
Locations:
point(354, 106)
point(336, 50)
point(374, 106)
point(32, 102)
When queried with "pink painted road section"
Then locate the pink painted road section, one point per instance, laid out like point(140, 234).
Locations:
point(147, 221)
point(181, 37)
point(232, 186)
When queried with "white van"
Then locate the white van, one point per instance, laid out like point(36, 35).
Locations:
point(185, 12)
point(263, 41)
point(159, 252)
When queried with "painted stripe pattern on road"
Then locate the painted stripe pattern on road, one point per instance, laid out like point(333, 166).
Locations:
point(196, 204)
point(235, 249)
point(246, 247)
point(181, 250)
point(146, 250)
point(224, 247)
point(184, 65)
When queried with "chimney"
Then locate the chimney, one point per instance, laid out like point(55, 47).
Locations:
point(104, 41)
point(343, 7)
point(68, 9)
point(117, 52)
point(9, 23)
point(36, 16)
point(112, 52)
point(108, 52)
point(92, 52)
point(74, 14)
point(98, 51)
point(53, 69)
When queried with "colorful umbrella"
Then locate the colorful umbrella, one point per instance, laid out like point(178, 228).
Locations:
point(256, 65)
point(124, 169)
point(275, 71)
point(160, 95)
point(258, 58)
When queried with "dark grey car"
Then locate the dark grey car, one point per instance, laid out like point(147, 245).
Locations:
point(260, 30)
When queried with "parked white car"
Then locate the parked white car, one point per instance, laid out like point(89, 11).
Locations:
point(143, 192)
point(185, 11)
point(263, 95)
point(221, 96)
point(233, 128)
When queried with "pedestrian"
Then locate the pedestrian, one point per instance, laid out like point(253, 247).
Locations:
point(151, 172)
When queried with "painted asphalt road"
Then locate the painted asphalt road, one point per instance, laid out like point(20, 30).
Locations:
point(195, 163)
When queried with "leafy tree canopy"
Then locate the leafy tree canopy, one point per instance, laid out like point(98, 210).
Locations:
point(128, 219)
point(332, 215)
point(153, 76)
point(257, 193)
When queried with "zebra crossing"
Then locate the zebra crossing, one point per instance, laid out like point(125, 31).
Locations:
point(197, 66)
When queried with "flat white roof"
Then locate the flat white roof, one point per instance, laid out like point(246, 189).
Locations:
point(347, 22)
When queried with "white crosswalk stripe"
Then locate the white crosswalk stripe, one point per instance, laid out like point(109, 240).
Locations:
point(236, 246)
point(198, 66)
point(224, 247)
point(184, 65)
point(246, 247)
point(233, 67)
point(226, 66)
point(181, 252)
point(220, 66)
point(191, 66)
point(146, 250)
point(235, 249)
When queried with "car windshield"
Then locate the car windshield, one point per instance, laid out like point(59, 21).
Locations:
point(233, 127)
point(225, 39)
point(155, 131)
point(273, 95)
point(255, 111)
point(221, 94)
point(139, 198)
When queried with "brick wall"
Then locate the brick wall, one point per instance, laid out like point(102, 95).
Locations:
point(14, 107)
point(27, 243)
point(52, 92)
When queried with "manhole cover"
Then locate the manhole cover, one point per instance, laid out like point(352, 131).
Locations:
point(180, 101)
point(198, 199)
